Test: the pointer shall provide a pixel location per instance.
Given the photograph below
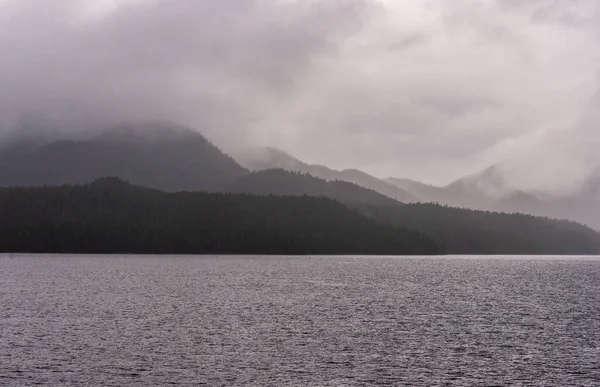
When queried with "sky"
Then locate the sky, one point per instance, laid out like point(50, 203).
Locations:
point(425, 89)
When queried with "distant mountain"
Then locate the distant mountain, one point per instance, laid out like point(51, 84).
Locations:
point(172, 158)
point(111, 216)
point(158, 155)
point(29, 130)
point(489, 190)
point(428, 193)
point(282, 182)
point(271, 158)
point(582, 206)
point(489, 183)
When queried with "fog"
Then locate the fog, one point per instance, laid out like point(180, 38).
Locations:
point(430, 90)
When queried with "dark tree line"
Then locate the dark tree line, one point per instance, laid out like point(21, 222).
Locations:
point(463, 231)
point(110, 216)
point(460, 231)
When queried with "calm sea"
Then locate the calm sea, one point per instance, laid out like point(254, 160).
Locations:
point(305, 321)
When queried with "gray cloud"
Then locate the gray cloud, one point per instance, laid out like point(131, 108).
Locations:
point(425, 89)
point(205, 62)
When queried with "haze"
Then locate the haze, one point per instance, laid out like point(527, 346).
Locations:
point(431, 90)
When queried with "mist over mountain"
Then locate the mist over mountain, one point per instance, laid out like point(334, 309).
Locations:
point(427, 192)
point(163, 156)
point(172, 158)
point(430, 91)
point(489, 190)
point(268, 158)
point(154, 154)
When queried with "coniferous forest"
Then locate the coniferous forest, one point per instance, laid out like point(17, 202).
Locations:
point(463, 231)
point(112, 216)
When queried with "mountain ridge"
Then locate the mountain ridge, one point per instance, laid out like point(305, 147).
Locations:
point(283, 182)
point(272, 158)
point(173, 158)
point(582, 205)
point(170, 158)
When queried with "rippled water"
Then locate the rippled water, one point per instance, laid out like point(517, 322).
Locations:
point(277, 321)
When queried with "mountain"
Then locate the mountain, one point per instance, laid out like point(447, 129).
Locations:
point(489, 190)
point(489, 183)
point(158, 155)
point(111, 216)
point(172, 158)
point(282, 182)
point(486, 191)
point(272, 158)
point(163, 156)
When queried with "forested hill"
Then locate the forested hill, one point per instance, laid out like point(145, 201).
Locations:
point(463, 231)
point(281, 182)
point(460, 231)
point(111, 216)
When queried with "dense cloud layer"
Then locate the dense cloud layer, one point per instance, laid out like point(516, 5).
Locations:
point(426, 89)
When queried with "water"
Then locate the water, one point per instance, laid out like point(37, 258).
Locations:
point(277, 321)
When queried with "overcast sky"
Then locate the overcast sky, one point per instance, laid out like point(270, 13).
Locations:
point(426, 89)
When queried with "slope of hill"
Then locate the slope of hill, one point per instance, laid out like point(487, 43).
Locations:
point(271, 158)
point(281, 182)
point(464, 231)
point(157, 155)
point(111, 216)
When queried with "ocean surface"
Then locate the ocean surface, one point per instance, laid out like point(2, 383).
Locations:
point(299, 321)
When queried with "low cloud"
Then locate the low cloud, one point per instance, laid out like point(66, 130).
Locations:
point(431, 90)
